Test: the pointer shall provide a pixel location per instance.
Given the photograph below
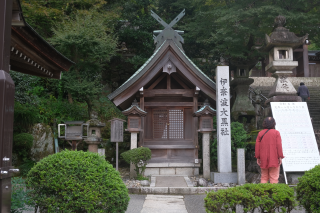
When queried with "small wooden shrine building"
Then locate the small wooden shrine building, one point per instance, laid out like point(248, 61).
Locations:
point(170, 88)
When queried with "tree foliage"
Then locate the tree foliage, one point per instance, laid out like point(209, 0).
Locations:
point(86, 41)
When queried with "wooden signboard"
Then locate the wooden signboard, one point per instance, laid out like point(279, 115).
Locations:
point(117, 130)
point(298, 140)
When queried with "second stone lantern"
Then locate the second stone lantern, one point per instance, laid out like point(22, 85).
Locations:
point(94, 134)
point(280, 45)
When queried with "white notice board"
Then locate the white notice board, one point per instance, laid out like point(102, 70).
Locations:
point(298, 140)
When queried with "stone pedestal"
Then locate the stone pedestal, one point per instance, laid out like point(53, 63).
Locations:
point(206, 155)
point(134, 141)
point(93, 147)
point(224, 177)
point(282, 86)
point(241, 167)
point(93, 143)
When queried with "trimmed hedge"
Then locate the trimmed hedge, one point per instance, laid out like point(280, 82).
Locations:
point(77, 181)
point(265, 197)
point(308, 190)
point(139, 157)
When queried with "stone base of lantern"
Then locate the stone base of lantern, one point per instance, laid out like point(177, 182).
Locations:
point(93, 148)
point(93, 145)
point(283, 98)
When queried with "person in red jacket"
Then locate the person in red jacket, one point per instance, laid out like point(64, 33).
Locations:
point(269, 151)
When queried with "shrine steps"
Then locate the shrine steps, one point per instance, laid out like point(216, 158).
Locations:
point(170, 146)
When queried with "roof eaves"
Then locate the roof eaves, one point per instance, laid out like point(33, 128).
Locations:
point(131, 108)
point(135, 76)
point(39, 36)
point(202, 108)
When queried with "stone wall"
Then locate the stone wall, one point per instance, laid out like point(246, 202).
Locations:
point(269, 81)
point(43, 143)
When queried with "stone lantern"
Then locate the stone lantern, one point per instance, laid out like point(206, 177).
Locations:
point(94, 134)
point(242, 106)
point(73, 131)
point(134, 114)
point(205, 127)
point(280, 45)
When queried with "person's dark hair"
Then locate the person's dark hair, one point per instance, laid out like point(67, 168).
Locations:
point(301, 83)
point(269, 123)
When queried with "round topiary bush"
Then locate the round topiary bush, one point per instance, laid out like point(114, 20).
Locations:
point(77, 181)
point(139, 157)
point(308, 190)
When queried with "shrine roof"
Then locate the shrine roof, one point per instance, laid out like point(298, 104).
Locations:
point(202, 108)
point(155, 56)
point(127, 110)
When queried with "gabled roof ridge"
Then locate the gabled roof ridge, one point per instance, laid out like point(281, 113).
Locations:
point(182, 55)
point(194, 64)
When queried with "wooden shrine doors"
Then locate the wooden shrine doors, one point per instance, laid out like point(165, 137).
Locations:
point(169, 124)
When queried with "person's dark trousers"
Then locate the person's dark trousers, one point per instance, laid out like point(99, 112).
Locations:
point(304, 98)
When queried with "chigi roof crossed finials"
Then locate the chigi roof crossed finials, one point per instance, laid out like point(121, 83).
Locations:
point(165, 39)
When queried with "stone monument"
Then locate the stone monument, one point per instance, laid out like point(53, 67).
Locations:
point(224, 174)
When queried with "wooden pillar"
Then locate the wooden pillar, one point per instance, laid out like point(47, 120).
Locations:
point(305, 61)
point(6, 105)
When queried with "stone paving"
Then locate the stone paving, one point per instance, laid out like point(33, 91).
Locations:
point(192, 203)
point(164, 204)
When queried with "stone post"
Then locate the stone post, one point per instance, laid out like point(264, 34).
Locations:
point(206, 154)
point(241, 170)
point(223, 119)
point(134, 142)
point(224, 174)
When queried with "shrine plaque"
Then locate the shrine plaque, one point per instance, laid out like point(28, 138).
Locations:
point(116, 130)
point(298, 140)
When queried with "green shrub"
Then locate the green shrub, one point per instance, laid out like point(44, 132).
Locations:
point(19, 199)
point(264, 197)
point(77, 181)
point(308, 190)
point(239, 139)
point(138, 157)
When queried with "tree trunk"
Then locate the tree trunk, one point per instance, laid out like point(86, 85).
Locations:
point(70, 98)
